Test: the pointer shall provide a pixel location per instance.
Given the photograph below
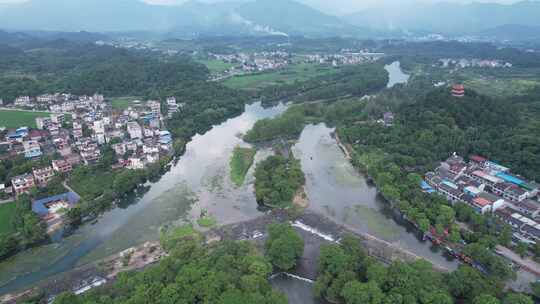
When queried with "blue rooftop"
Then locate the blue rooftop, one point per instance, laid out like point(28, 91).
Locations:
point(40, 206)
point(450, 184)
point(426, 187)
point(510, 179)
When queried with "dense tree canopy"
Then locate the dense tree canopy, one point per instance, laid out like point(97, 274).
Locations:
point(284, 246)
point(288, 125)
point(226, 273)
point(277, 180)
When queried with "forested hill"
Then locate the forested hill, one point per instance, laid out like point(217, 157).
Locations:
point(473, 110)
point(79, 68)
point(438, 124)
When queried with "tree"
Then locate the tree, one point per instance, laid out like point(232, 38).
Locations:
point(355, 292)
point(486, 299)
point(67, 298)
point(467, 283)
point(74, 216)
point(522, 249)
point(505, 236)
point(284, 246)
point(517, 298)
point(377, 273)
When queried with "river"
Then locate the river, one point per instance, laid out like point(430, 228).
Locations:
point(200, 181)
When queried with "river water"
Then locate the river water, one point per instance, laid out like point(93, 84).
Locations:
point(396, 74)
point(200, 181)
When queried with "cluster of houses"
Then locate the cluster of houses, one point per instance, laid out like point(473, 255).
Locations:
point(489, 188)
point(450, 63)
point(255, 62)
point(345, 57)
point(137, 136)
point(58, 102)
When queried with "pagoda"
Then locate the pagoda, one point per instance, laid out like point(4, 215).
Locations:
point(458, 90)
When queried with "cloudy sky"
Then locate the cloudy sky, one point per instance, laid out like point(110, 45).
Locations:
point(330, 6)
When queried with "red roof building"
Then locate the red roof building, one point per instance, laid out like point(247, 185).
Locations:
point(479, 160)
point(458, 90)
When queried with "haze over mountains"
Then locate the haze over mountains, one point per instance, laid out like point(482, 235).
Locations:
point(263, 17)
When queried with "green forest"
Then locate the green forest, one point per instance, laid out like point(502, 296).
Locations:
point(277, 180)
point(289, 125)
point(224, 273)
point(80, 68)
point(347, 275)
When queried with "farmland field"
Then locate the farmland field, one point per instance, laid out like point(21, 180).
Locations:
point(288, 75)
point(15, 118)
point(216, 66)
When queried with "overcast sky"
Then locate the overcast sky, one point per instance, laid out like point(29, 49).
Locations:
point(337, 7)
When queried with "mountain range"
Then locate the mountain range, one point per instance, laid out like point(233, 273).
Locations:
point(269, 17)
point(278, 17)
point(448, 18)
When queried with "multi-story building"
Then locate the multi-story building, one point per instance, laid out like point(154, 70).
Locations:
point(43, 122)
point(43, 175)
point(90, 153)
point(119, 148)
point(23, 101)
point(58, 118)
point(155, 107)
point(134, 129)
point(135, 163)
point(61, 166)
point(172, 106)
point(45, 98)
point(32, 149)
point(23, 183)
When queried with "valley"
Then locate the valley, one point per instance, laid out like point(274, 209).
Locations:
point(269, 152)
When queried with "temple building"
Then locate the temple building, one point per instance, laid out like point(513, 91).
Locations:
point(458, 90)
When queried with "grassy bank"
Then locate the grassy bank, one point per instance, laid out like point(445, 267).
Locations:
point(15, 118)
point(241, 161)
point(7, 211)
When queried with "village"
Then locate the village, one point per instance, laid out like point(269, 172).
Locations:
point(75, 134)
point(490, 189)
point(257, 62)
point(461, 63)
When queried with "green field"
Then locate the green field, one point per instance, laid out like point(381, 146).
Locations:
point(501, 87)
point(122, 103)
point(241, 161)
point(7, 211)
point(216, 66)
point(288, 75)
point(15, 118)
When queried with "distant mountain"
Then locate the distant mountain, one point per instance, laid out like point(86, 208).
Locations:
point(449, 18)
point(513, 32)
point(264, 17)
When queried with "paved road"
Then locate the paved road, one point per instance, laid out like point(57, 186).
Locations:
point(526, 263)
